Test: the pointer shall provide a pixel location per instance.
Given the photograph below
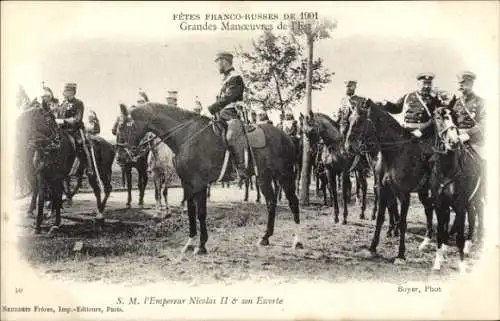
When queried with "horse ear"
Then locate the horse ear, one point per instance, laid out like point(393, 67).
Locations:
point(301, 116)
point(124, 110)
point(311, 114)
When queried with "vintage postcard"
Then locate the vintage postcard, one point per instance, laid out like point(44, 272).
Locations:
point(249, 160)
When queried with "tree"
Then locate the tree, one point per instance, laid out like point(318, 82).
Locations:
point(275, 72)
point(311, 31)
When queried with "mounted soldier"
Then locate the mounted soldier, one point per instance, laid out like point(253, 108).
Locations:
point(262, 117)
point(93, 127)
point(228, 105)
point(172, 98)
point(469, 112)
point(417, 107)
point(70, 119)
point(348, 104)
point(141, 99)
point(197, 106)
point(289, 123)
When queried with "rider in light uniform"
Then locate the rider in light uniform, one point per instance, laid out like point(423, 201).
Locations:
point(70, 119)
point(262, 117)
point(289, 123)
point(348, 104)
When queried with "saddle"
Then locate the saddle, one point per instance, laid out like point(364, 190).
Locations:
point(255, 134)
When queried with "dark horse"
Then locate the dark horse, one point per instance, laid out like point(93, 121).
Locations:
point(127, 162)
point(456, 182)
point(336, 160)
point(38, 131)
point(401, 167)
point(199, 156)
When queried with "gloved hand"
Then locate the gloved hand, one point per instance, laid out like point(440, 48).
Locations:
point(417, 133)
point(464, 137)
point(206, 113)
point(59, 121)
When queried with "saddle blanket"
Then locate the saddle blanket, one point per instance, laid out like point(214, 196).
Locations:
point(256, 136)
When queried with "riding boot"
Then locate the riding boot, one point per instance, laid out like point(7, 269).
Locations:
point(235, 143)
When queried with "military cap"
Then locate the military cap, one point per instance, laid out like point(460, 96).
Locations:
point(351, 82)
point(142, 96)
point(224, 55)
point(172, 94)
point(425, 76)
point(70, 86)
point(466, 76)
point(92, 114)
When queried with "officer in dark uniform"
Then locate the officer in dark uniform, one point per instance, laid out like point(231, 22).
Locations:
point(348, 104)
point(70, 119)
point(469, 112)
point(417, 107)
point(228, 102)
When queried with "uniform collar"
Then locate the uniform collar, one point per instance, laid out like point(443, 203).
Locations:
point(227, 72)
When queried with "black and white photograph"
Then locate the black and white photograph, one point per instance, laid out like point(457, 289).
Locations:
point(250, 160)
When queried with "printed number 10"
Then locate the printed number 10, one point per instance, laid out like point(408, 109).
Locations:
point(308, 15)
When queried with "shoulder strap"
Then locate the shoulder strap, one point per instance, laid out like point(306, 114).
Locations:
point(462, 101)
point(423, 103)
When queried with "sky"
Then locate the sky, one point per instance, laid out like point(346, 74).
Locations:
point(111, 50)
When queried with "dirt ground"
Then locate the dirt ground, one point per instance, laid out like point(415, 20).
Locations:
point(134, 248)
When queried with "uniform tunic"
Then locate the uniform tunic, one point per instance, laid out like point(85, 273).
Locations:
point(469, 114)
point(347, 105)
point(72, 113)
point(231, 91)
point(418, 109)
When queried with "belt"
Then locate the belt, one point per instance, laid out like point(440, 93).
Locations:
point(416, 125)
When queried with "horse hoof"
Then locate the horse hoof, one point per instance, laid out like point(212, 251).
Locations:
point(425, 244)
point(467, 247)
point(128, 206)
point(336, 220)
point(462, 267)
point(396, 233)
point(362, 217)
point(298, 246)
point(389, 233)
point(38, 231)
point(53, 229)
point(263, 242)
point(257, 201)
point(187, 248)
point(344, 222)
point(373, 217)
point(400, 261)
point(366, 253)
point(200, 251)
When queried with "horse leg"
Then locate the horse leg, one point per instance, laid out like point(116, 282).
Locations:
point(97, 192)
point(157, 184)
point(209, 189)
point(471, 216)
point(332, 181)
point(405, 204)
point(56, 200)
point(364, 187)
point(357, 174)
point(460, 212)
point(392, 207)
point(346, 192)
point(191, 210)
point(323, 188)
point(201, 211)
point(34, 195)
point(288, 186)
point(41, 202)
point(375, 194)
point(382, 205)
point(257, 188)
point(247, 184)
point(128, 175)
point(269, 194)
point(106, 181)
point(441, 210)
point(165, 197)
point(141, 184)
point(424, 198)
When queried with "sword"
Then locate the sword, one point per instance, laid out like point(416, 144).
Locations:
point(92, 154)
point(248, 145)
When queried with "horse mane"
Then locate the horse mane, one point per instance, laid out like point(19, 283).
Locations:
point(327, 118)
point(389, 121)
point(155, 108)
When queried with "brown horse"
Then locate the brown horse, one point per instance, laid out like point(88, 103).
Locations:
point(37, 130)
point(402, 166)
point(456, 182)
point(126, 162)
point(319, 126)
point(200, 156)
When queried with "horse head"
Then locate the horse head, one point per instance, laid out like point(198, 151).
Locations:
point(446, 129)
point(360, 127)
point(129, 133)
point(311, 127)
